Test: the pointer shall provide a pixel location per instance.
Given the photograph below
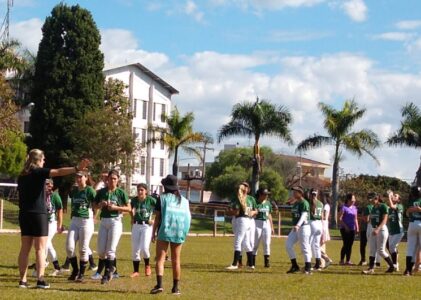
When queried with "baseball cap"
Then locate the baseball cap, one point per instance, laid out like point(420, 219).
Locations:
point(263, 191)
point(313, 192)
point(81, 173)
point(245, 183)
point(372, 195)
point(298, 188)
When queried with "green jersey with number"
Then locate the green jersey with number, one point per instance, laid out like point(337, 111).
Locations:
point(250, 205)
point(377, 214)
point(55, 205)
point(117, 197)
point(82, 201)
point(318, 211)
point(264, 210)
point(298, 209)
point(143, 209)
point(415, 216)
point(395, 220)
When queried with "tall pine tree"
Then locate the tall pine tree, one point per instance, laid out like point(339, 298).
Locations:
point(68, 82)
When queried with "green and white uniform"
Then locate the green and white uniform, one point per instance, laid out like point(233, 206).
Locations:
point(414, 230)
point(81, 228)
point(263, 231)
point(378, 242)
point(54, 204)
point(316, 227)
point(142, 211)
point(395, 224)
point(300, 217)
point(111, 226)
point(244, 225)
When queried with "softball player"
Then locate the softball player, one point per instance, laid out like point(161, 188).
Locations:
point(142, 208)
point(325, 233)
point(414, 228)
point(264, 225)
point(245, 210)
point(316, 226)
point(81, 228)
point(113, 202)
point(378, 239)
point(395, 226)
point(55, 223)
point(300, 232)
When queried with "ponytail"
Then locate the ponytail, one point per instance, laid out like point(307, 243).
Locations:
point(32, 160)
point(242, 196)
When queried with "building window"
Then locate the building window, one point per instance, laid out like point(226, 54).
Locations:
point(143, 137)
point(142, 165)
point(153, 137)
point(134, 108)
point(145, 110)
point(26, 127)
point(163, 113)
point(161, 167)
point(152, 166)
point(154, 112)
point(136, 133)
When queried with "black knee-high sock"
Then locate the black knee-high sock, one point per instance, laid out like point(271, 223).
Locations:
point(175, 284)
point(73, 262)
point(409, 264)
point(146, 261)
point(250, 259)
point(371, 262)
point(136, 266)
point(159, 281)
point(91, 260)
point(240, 259)
point(318, 263)
point(56, 265)
point(254, 260)
point(389, 261)
point(236, 258)
point(66, 263)
point(394, 257)
point(101, 265)
point(108, 264)
point(82, 267)
point(307, 266)
point(294, 263)
point(266, 260)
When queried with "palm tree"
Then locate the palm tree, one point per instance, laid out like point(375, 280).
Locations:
point(410, 132)
point(177, 134)
point(257, 119)
point(338, 124)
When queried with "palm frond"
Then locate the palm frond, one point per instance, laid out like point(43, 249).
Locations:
point(409, 134)
point(233, 128)
point(364, 141)
point(313, 142)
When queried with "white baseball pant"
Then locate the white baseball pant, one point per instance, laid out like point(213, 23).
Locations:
point(92, 224)
point(378, 243)
point(109, 234)
point(52, 230)
point(316, 227)
point(414, 238)
point(251, 233)
point(141, 241)
point(262, 233)
point(242, 234)
point(394, 241)
point(369, 231)
point(80, 230)
point(303, 236)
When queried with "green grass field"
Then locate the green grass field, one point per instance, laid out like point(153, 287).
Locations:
point(204, 276)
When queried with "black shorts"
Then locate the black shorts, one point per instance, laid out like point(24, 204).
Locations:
point(33, 224)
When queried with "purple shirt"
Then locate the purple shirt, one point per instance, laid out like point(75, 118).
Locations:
point(348, 216)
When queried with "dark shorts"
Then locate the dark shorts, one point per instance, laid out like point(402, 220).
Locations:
point(33, 224)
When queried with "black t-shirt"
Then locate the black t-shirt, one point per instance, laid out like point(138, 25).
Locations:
point(31, 189)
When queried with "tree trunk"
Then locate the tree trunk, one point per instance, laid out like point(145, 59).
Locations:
point(255, 177)
point(175, 163)
point(335, 187)
point(418, 176)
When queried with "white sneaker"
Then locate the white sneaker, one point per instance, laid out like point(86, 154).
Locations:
point(96, 276)
point(368, 272)
point(232, 267)
point(250, 267)
point(55, 273)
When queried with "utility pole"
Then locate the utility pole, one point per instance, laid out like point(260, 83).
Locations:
point(205, 147)
point(5, 34)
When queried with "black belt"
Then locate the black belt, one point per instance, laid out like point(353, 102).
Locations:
point(141, 222)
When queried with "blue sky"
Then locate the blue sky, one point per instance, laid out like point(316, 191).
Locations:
point(293, 52)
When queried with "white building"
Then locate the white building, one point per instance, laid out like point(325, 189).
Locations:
point(150, 97)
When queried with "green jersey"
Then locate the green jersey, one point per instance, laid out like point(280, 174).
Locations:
point(377, 214)
point(415, 216)
point(82, 201)
point(395, 220)
point(264, 210)
point(250, 205)
point(318, 210)
point(298, 209)
point(143, 210)
point(53, 206)
point(117, 197)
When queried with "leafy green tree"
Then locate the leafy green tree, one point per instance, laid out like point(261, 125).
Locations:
point(409, 134)
point(177, 135)
point(12, 156)
point(257, 119)
point(339, 125)
point(9, 123)
point(68, 81)
point(226, 184)
point(271, 180)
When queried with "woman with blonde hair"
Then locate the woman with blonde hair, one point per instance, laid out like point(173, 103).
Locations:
point(33, 214)
point(244, 210)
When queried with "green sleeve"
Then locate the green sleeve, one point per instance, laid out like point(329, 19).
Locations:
point(366, 211)
point(254, 203)
point(132, 202)
point(98, 196)
point(57, 201)
point(153, 201)
point(305, 206)
point(385, 209)
point(91, 194)
point(124, 197)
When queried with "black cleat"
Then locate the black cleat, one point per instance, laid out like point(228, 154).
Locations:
point(157, 290)
point(293, 270)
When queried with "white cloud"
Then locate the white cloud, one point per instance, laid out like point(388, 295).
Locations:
point(356, 10)
point(281, 36)
point(267, 4)
point(414, 47)
point(395, 36)
point(28, 32)
point(408, 24)
point(191, 9)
